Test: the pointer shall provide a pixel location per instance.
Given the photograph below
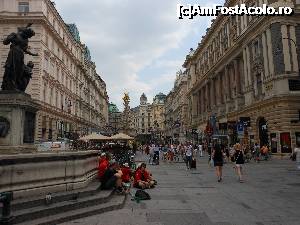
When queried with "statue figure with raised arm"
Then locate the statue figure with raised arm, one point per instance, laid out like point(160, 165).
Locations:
point(15, 69)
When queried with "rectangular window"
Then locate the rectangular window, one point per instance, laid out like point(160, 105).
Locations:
point(294, 85)
point(24, 7)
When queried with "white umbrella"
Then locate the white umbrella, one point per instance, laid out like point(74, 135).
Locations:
point(94, 136)
point(121, 136)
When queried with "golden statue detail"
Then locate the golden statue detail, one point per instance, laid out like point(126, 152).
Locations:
point(126, 98)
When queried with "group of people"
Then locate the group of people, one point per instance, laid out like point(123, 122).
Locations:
point(217, 157)
point(113, 176)
point(171, 153)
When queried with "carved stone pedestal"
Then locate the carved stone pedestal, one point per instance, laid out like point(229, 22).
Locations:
point(17, 122)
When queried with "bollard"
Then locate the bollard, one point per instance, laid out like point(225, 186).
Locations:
point(5, 199)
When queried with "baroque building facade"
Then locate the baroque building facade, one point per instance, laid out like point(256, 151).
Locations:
point(247, 68)
point(149, 119)
point(71, 95)
point(176, 111)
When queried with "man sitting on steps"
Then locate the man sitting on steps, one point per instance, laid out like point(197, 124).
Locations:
point(142, 178)
point(112, 178)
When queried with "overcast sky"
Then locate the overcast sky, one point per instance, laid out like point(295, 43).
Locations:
point(137, 45)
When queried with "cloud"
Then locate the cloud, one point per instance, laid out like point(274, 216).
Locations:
point(126, 37)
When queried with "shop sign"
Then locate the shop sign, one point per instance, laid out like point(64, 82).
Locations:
point(240, 129)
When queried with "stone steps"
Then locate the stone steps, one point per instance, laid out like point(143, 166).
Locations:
point(65, 206)
point(91, 189)
point(115, 202)
point(29, 214)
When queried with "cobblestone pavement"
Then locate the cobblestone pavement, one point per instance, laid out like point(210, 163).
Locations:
point(270, 195)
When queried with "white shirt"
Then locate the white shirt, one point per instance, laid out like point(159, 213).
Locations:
point(189, 151)
point(151, 152)
point(200, 148)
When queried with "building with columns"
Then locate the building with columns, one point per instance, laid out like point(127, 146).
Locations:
point(72, 96)
point(149, 119)
point(158, 113)
point(247, 69)
point(176, 111)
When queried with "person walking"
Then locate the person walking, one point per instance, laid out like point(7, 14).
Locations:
point(151, 154)
point(297, 151)
point(189, 156)
point(217, 157)
point(200, 147)
point(256, 152)
point(156, 155)
point(239, 161)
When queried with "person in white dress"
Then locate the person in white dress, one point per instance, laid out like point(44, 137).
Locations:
point(200, 147)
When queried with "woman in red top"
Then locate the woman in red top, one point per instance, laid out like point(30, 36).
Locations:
point(126, 177)
point(103, 165)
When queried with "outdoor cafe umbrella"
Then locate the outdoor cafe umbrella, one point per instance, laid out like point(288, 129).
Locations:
point(95, 136)
point(121, 136)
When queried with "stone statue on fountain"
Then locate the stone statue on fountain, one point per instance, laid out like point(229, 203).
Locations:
point(17, 75)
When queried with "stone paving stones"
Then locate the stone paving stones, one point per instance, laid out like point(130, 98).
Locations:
point(270, 195)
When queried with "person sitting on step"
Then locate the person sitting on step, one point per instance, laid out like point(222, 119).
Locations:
point(112, 178)
point(127, 174)
point(103, 165)
point(142, 178)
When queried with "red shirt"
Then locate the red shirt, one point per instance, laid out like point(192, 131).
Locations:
point(141, 175)
point(103, 165)
point(126, 174)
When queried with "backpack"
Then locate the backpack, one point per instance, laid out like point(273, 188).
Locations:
point(142, 195)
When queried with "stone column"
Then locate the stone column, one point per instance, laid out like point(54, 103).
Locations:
point(293, 49)
point(194, 105)
point(199, 102)
point(208, 96)
point(222, 92)
point(205, 98)
point(237, 76)
point(54, 131)
point(219, 90)
point(38, 127)
point(226, 85)
point(47, 128)
point(270, 52)
point(286, 49)
point(213, 91)
point(265, 55)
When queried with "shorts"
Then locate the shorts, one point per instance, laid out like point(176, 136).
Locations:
point(239, 165)
point(218, 163)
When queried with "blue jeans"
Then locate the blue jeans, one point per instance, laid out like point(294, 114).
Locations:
point(188, 162)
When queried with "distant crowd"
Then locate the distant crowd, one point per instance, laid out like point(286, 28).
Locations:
point(218, 154)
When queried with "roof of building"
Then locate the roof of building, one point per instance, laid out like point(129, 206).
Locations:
point(112, 108)
point(74, 31)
